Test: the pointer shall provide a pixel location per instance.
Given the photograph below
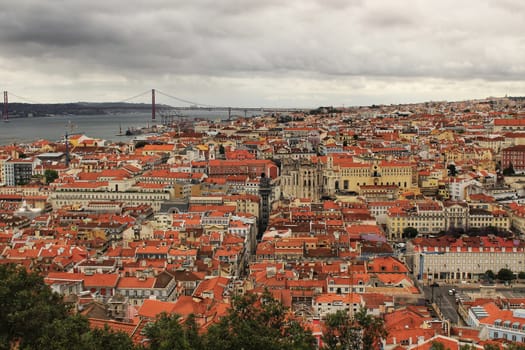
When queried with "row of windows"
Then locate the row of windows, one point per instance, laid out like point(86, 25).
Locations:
point(513, 337)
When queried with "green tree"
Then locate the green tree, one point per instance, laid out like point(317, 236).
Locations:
point(491, 347)
point(27, 305)
point(104, 339)
point(410, 232)
point(62, 333)
point(341, 332)
point(467, 347)
point(140, 144)
point(509, 170)
point(258, 323)
point(521, 275)
point(437, 346)
point(505, 275)
point(221, 149)
point(363, 331)
point(191, 328)
point(167, 333)
point(35, 318)
point(452, 171)
point(490, 275)
point(373, 328)
point(50, 175)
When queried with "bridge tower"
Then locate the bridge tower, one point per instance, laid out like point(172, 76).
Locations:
point(5, 113)
point(152, 104)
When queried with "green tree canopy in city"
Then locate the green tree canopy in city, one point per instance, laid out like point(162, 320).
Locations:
point(410, 232)
point(50, 175)
point(363, 331)
point(341, 332)
point(509, 170)
point(436, 345)
point(258, 323)
point(490, 275)
point(505, 275)
point(33, 317)
point(167, 333)
point(452, 171)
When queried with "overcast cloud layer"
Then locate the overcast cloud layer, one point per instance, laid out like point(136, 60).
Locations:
point(301, 53)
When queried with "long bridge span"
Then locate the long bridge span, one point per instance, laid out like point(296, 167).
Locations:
point(187, 105)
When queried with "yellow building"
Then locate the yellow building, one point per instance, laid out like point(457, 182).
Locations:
point(245, 203)
point(349, 176)
point(427, 217)
point(447, 135)
point(479, 218)
point(463, 154)
point(432, 217)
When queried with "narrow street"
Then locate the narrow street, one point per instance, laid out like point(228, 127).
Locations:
point(445, 303)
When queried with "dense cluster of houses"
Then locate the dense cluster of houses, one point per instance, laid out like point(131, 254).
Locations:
point(313, 209)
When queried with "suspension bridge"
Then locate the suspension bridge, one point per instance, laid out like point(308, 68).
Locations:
point(187, 105)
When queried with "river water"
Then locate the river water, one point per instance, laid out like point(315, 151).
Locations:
point(107, 126)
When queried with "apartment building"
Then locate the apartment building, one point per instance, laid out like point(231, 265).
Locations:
point(432, 217)
point(427, 217)
point(327, 303)
point(467, 258)
point(18, 171)
point(141, 287)
point(80, 194)
point(514, 156)
point(498, 323)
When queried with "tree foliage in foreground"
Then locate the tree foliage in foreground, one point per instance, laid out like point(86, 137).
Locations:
point(363, 331)
point(33, 317)
point(258, 324)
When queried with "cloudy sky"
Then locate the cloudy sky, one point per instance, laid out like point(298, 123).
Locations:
point(302, 53)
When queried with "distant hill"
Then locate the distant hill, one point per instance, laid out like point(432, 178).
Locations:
point(20, 110)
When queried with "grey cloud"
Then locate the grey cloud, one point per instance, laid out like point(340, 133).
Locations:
point(318, 39)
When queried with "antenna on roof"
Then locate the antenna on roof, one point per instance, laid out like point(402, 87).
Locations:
point(67, 149)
